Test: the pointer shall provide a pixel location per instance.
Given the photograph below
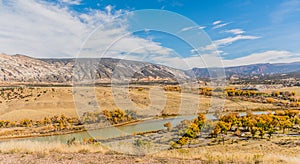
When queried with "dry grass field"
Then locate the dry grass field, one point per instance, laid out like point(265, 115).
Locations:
point(253, 151)
point(37, 103)
point(290, 89)
point(243, 152)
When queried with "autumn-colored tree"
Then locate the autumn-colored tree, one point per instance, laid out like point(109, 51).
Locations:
point(216, 131)
point(230, 93)
point(54, 119)
point(279, 113)
point(192, 131)
point(275, 93)
point(293, 93)
point(200, 120)
point(183, 141)
point(248, 122)
point(270, 100)
point(294, 104)
point(295, 120)
point(253, 131)
point(270, 132)
point(168, 125)
point(291, 113)
point(26, 123)
point(231, 119)
point(237, 132)
point(224, 126)
point(4, 124)
point(206, 91)
point(238, 92)
point(118, 115)
point(284, 124)
point(262, 132)
point(46, 121)
point(107, 114)
point(263, 121)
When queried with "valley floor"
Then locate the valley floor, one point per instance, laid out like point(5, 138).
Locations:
point(19, 104)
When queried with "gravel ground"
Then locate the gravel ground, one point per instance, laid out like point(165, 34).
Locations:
point(90, 158)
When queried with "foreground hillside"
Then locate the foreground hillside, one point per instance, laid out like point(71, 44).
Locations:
point(281, 150)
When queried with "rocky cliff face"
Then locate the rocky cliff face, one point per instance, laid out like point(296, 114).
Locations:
point(20, 68)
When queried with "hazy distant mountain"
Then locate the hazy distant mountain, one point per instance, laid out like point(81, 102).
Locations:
point(252, 70)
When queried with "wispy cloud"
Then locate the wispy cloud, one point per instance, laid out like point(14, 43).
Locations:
point(217, 22)
point(192, 27)
point(236, 31)
point(271, 56)
point(220, 25)
point(213, 60)
point(230, 40)
point(223, 42)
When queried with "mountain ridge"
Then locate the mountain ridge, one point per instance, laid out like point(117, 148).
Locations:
point(25, 69)
point(260, 69)
point(21, 68)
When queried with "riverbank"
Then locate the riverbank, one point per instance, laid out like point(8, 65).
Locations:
point(76, 129)
point(34, 132)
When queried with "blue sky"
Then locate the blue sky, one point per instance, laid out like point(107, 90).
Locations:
point(239, 31)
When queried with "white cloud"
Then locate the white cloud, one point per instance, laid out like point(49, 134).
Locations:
point(71, 2)
point(236, 31)
point(44, 29)
point(214, 60)
point(217, 22)
point(192, 27)
point(220, 25)
point(109, 8)
point(230, 40)
point(272, 56)
point(213, 48)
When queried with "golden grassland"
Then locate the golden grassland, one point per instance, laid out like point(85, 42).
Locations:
point(243, 152)
point(251, 151)
point(37, 103)
point(28, 146)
